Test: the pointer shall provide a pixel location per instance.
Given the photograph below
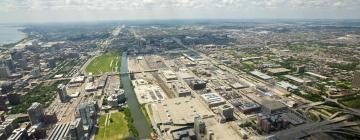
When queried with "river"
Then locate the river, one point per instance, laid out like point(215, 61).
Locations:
point(140, 122)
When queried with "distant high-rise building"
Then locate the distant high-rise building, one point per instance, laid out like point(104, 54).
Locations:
point(51, 63)
point(22, 63)
point(36, 60)
point(76, 130)
point(36, 72)
point(300, 69)
point(4, 72)
point(36, 113)
point(14, 98)
point(356, 79)
point(10, 64)
point(62, 93)
point(6, 87)
point(15, 54)
point(3, 103)
point(199, 127)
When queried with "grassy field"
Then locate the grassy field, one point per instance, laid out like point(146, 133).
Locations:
point(107, 62)
point(353, 102)
point(43, 94)
point(113, 128)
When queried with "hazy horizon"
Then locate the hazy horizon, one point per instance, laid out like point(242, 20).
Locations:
point(30, 11)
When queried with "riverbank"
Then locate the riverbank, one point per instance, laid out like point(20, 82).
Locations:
point(140, 122)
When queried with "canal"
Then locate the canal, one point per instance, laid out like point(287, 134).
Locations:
point(140, 121)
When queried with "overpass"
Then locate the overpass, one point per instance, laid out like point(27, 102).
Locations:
point(133, 72)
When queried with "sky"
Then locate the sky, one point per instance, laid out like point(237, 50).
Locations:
point(26, 11)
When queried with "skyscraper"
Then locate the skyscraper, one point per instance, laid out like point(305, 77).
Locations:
point(36, 113)
point(10, 64)
point(51, 63)
point(87, 113)
point(62, 93)
point(4, 72)
point(76, 130)
point(3, 103)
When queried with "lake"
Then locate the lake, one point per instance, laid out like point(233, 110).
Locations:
point(10, 34)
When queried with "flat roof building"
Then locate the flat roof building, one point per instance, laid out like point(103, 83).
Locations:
point(272, 107)
point(178, 111)
point(295, 79)
point(213, 99)
point(278, 71)
point(316, 75)
point(169, 75)
point(287, 86)
point(261, 75)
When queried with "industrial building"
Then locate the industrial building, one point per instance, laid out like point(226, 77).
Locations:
point(287, 86)
point(146, 92)
point(36, 113)
point(261, 75)
point(213, 99)
point(296, 80)
point(272, 107)
point(177, 111)
point(316, 75)
point(278, 71)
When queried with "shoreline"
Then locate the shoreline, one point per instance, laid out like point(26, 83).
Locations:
point(22, 36)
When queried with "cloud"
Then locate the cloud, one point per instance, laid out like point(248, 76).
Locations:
point(18, 9)
point(150, 4)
